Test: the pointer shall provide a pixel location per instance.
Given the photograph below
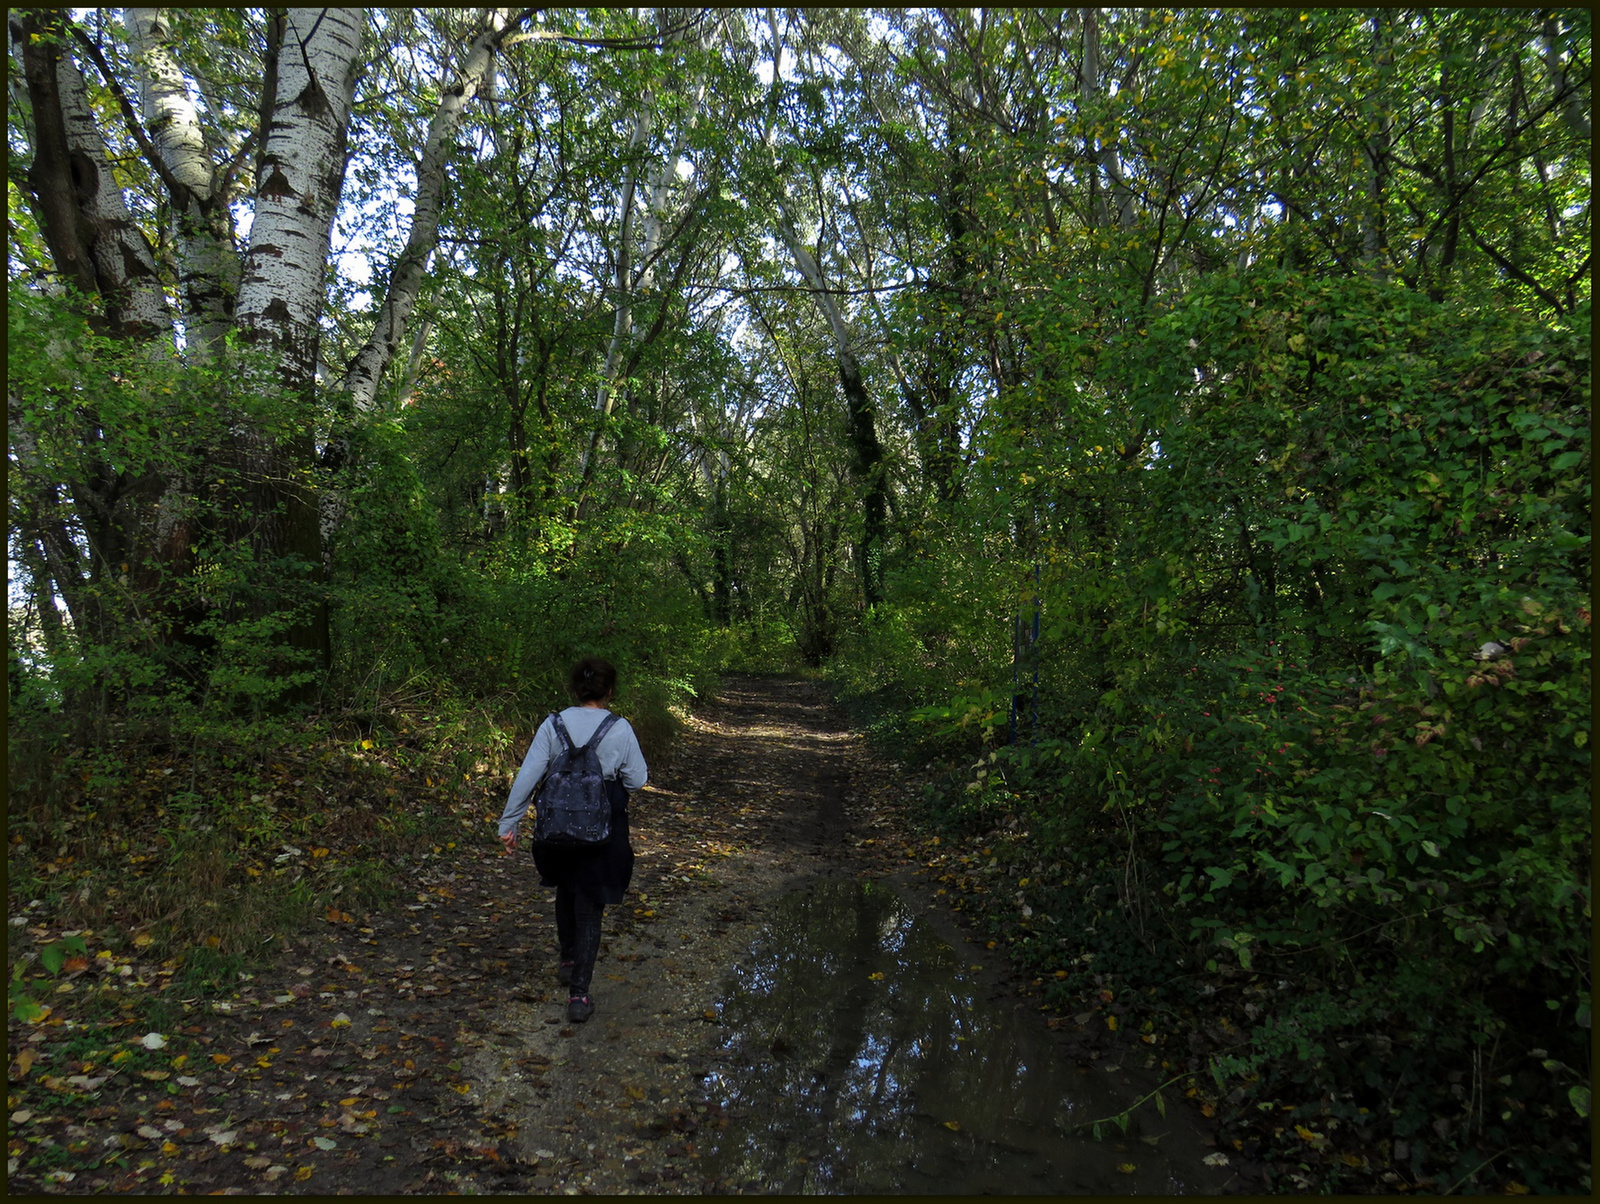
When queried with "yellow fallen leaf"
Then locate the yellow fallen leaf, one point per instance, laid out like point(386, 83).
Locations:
point(953, 1125)
point(875, 975)
point(302, 1173)
point(319, 852)
point(1516, 1189)
point(1127, 1168)
point(1111, 1023)
point(1350, 1159)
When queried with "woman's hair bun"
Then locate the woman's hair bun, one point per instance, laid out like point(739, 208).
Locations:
point(592, 679)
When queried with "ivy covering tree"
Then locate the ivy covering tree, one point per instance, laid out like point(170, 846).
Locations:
point(1169, 428)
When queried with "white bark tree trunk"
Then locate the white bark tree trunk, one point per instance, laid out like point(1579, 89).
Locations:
point(1105, 154)
point(208, 261)
point(302, 173)
point(366, 370)
point(121, 266)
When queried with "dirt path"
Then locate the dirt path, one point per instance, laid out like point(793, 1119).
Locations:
point(758, 800)
point(427, 1050)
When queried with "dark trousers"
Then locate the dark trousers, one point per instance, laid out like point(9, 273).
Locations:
point(578, 930)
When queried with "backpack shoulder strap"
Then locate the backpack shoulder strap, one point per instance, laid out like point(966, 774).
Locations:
point(600, 732)
point(560, 730)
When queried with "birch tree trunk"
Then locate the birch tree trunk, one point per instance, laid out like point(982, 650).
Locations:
point(629, 281)
point(281, 295)
point(83, 217)
point(208, 260)
point(366, 369)
point(1102, 154)
point(302, 165)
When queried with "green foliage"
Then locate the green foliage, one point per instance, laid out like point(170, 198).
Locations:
point(52, 955)
point(125, 513)
point(1316, 705)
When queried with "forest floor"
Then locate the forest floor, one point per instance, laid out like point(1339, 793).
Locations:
point(424, 1048)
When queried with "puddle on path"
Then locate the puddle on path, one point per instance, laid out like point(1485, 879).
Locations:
point(915, 1081)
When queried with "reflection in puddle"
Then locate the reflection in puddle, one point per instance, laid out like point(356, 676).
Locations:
point(867, 1059)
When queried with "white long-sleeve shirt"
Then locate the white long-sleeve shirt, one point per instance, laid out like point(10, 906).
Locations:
point(620, 758)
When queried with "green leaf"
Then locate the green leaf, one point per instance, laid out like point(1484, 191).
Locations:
point(1579, 1098)
point(51, 957)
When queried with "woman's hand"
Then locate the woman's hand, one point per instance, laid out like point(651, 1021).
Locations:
point(509, 840)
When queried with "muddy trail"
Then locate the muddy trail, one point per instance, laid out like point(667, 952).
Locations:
point(783, 1005)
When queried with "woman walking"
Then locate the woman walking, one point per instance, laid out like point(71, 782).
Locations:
point(586, 879)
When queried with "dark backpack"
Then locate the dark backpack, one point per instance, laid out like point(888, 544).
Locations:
point(570, 807)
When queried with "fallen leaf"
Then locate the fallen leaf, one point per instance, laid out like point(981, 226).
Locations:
point(1127, 1168)
point(953, 1125)
point(274, 1173)
point(325, 1143)
point(1217, 1159)
point(302, 1173)
point(153, 1041)
point(258, 1162)
point(24, 1063)
point(155, 1076)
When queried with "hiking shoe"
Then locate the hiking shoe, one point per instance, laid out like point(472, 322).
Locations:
point(564, 973)
point(579, 1009)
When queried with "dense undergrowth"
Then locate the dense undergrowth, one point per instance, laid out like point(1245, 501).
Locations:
point(1286, 731)
point(204, 806)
